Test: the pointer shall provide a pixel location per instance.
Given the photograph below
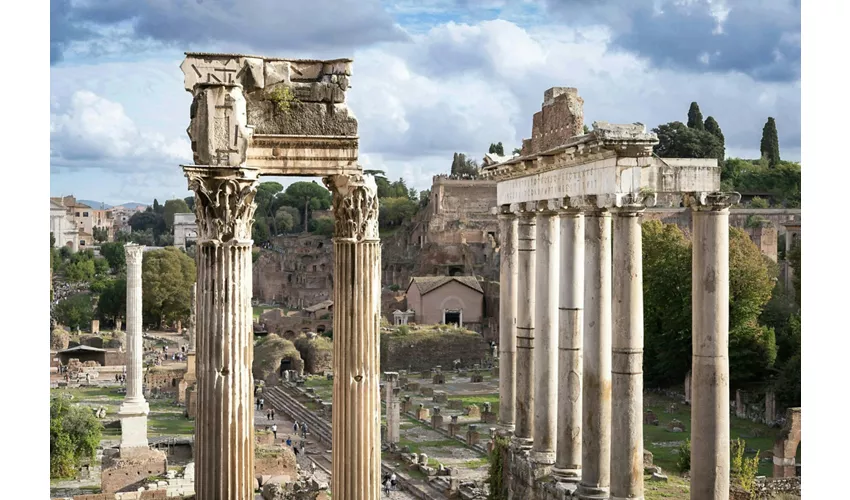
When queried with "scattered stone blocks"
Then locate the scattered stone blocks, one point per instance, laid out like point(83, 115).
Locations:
point(440, 397)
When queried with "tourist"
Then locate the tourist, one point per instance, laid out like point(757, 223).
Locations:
point(295, 450)
point(258, 404)
point(274, 430)
point(262, 402)
point(288, 440)
point(304, 430)
point(295, 427)
point(393, 480)
point(272, 413)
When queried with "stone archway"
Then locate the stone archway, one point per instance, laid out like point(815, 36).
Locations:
point(785, 446)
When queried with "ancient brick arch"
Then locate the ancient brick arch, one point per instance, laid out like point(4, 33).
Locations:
point(785, 447)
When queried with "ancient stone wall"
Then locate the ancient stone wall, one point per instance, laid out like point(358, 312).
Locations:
point(560, 118)
point(290, 327)
point(115, 357)
point(140, 495)
point(317, 353)
point(164, 379)
point(120, 474)
point(275, 461)
point(423, 349)
point(296, 272)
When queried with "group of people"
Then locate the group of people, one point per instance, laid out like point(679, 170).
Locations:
point(121, 378)
point(303, 428)
point(389, 481)
point(260, 403)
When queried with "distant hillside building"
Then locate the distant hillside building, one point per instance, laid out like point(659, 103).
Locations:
point(185, 229)
point(448, 300)
point(62, 226)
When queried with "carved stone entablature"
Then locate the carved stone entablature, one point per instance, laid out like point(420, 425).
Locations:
point(711, 200)
point(219, 128)
point(133, 254)
point(224, 201)
point(355, 206)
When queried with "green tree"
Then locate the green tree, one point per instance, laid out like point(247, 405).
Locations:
point(190, 202)
point(114, 254)
point(497, 148)
point(260, 232)
point(100, 234)
point(713, 128)
point(267, 192)
point(585, 129)
point(306, 196)
point(157, 208)
point(287, 219)
point(324, 226)
point(74, 435)
point(167, 278)
point(758, 202)
point(75, 312)
point(142, 221)
point(794, 258)
point(113, 300)
point(462, 166)
point(101, 266)
point(396, 211)
point(770, 142)
point(675, 140)
point(146, 237)
point(79, 271)
point(424, 196)
point(518, 151)
point(176, 206)
point(695, 117)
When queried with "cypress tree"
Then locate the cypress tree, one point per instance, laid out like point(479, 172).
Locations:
point(712, 127)
point(770, 142)
point(695, 117)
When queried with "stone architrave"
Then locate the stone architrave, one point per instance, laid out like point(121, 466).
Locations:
point(507, 318)
point(596, 387)
point(710, 364)
point(224, 429)
point(568, 459)
point(134, 410)
point(524, 428)
point(546, 333)
point(392, 391)
point(627, 354)
point(357, 304)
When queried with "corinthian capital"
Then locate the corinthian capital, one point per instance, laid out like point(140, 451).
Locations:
point(705, 201)
point(133, 254)
point(224, 202)
point(355, 206)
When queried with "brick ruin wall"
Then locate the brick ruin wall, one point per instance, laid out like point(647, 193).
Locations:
point(165, 380)
point(296, 272)
point(560, 118)
point(275, 461)
point(130, 474)
point(420, 352)
point(289, 327)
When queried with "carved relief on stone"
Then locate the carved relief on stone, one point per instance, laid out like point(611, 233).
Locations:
point(224, 202)
point(355, 206)
point(711, 201)
point(133, 254)
point(219, 128)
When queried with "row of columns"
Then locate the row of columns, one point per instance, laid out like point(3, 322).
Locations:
point(571, 339)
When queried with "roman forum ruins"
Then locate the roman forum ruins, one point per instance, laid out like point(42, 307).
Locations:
point(571, 334)
point(134, 410)
point(253, 116)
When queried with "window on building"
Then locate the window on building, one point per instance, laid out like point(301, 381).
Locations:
point(314, 268)
point(82, 243)
point(85, 214)
point(77, 214)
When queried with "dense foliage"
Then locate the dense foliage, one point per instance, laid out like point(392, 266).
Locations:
point(74, 436)
point(167, 278)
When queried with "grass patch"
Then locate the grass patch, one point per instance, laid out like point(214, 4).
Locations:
point(676, 487)
point(478, 462)
point(259, 310)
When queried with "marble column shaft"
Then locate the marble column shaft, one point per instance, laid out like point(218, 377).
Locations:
point(224, 426)
point(356, 362)
point(392, 391)
point(546, 334)
point(627, 358)
point(710, 371)
point(134, 410)
point(571, 316)
point(524, 428)
point(507, 318)
point(596, 388)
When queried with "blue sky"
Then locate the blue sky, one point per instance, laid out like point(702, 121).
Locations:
point(431, 77)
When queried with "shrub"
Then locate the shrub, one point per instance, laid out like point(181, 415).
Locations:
point(683, 462)
point(74, 435)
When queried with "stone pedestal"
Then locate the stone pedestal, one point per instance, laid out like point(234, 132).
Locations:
point(472, 435)
point(507, 317)
point(437, 418)
point(627, 357)
point(568, 459)
point(133, 412)
point(454, 426)
point(121, 474)
point(596, 386)
point(224, 431)
point(357, 305)
point(527, 274)
point(546, 334)
point(423, 413)
point(710, 396)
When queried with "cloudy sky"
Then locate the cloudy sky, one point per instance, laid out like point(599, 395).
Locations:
point(431, 77)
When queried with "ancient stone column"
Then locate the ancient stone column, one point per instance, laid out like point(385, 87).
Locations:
point(507, 317)
point(710, 372)
point(224, 425)
point(547, 290)
point(627, 357)
point(391, 390)
point(526, 276)
point(192, 317)
point(769, 407)
point(596, 389)
point(134, 410)
point(357, 307)
point(568, 453)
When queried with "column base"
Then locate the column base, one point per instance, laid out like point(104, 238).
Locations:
point(134, 427)
point(586, 492)
point(566, 474)
point(522, 443)
point(133, 408)
point(505, 430)
point(542, 457)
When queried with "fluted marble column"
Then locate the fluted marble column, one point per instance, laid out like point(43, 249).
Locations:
point(357, 308)
point(193, 316)
point(507, 317)
point(546, 334)
point(224, 426)
point(526, 276)
point(710, 370)
point(134, 410)
point(568, 458)
point(627, 357)
point(596, 389)
point(391, 394)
